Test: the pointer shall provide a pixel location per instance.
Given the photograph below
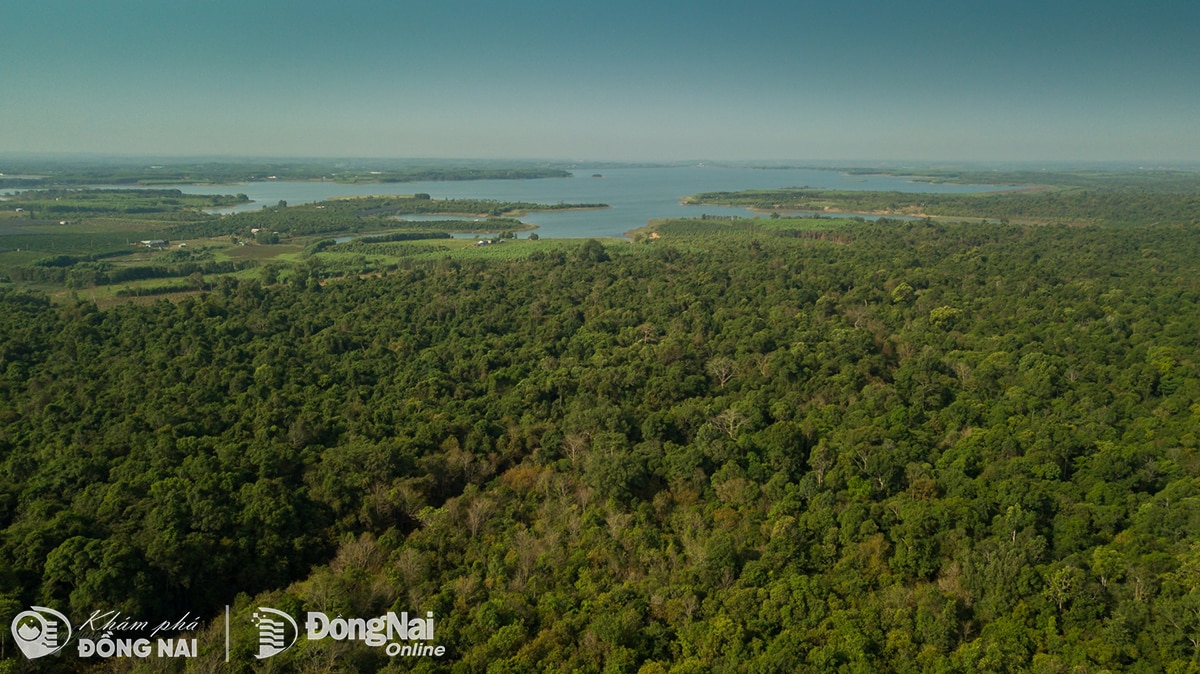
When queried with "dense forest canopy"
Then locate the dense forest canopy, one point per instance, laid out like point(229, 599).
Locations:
point(894, 446)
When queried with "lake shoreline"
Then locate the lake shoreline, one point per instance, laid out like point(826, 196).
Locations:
point(633, 196)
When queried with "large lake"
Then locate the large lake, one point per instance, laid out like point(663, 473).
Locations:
point(636, 195)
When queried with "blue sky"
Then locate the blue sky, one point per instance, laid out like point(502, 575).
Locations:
point(622, 80)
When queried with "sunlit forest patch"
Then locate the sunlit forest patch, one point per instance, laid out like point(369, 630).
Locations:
point(921, 446)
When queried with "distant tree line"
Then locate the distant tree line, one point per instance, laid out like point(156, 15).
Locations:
point(1063, 206)
point(65, 173)
point(82, 274)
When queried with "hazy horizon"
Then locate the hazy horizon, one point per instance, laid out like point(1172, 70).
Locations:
point(861, 81)
point(61, 159)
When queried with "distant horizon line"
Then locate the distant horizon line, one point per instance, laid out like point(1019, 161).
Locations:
point(55, 155)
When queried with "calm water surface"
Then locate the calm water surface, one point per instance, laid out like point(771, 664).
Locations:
point(636, 195)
